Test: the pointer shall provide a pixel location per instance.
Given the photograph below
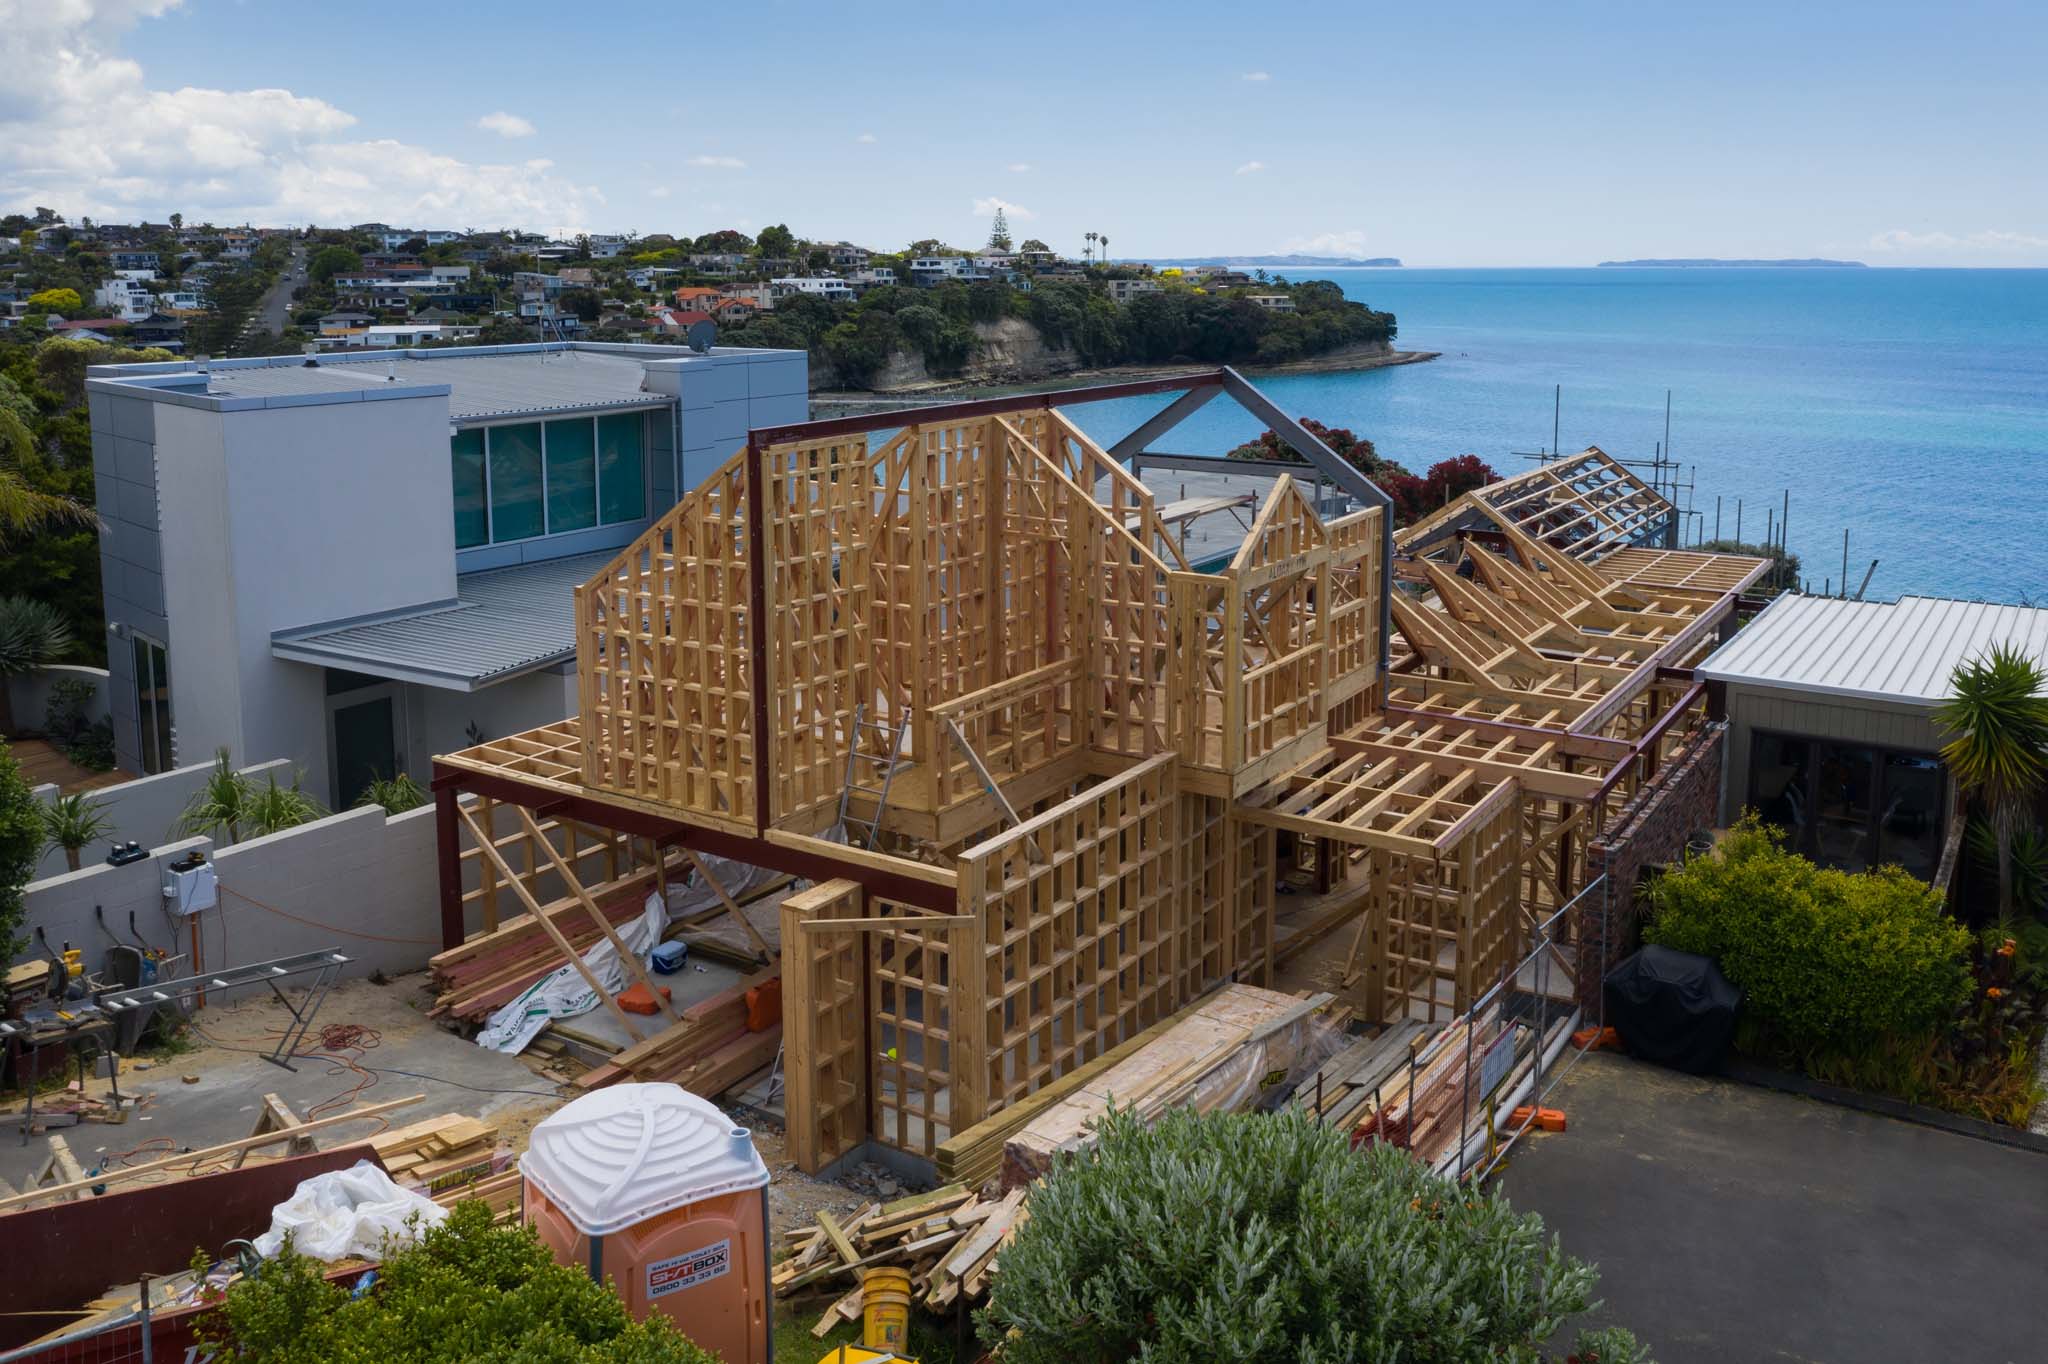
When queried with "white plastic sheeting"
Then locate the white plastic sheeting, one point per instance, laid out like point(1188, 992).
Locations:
point(562, 993)
point(352, 1212)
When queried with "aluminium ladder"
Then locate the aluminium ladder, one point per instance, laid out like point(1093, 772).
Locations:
point(888, 761)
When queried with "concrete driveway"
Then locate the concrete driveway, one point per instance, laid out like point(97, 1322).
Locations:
point(1734, 1223)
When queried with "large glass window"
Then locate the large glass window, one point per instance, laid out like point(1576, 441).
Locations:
point(472, 520)
point(512, 485)
point(1909, 816)
point(572, 476)
point(1777, 785)
point(1853, 806)
point(1842, 823)
point(153, 705)
point(516, 511)
point(621, 469)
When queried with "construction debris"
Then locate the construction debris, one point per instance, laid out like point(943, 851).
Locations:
point(1237, 1048)
point(947, 1240)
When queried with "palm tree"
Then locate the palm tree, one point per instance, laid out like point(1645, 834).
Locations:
point(1089, 254)
point(32, 633)
point(396, 794)
point(220, 807)
point(25, 510)
point(71, 822)
point(1999, 716)
point(277, 808)
point(1102, 239)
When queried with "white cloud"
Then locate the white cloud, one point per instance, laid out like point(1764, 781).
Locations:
point(1251, 168)
point(1020, 167)
point(505, 125)
point(658, 192)
point(1257, 76)
point(865, 137)
point(1350, 243)
point(719, 162)
point(82, 131)
point(1987, 242)
point(986, 208)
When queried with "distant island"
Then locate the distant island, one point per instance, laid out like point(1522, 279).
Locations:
point(1700, 262)
point(1290, 262)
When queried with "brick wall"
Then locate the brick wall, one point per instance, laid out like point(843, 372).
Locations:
point(1650, 830)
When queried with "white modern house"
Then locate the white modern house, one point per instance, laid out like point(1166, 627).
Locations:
point(127, 296)
point(357, 561)
point(819, 286)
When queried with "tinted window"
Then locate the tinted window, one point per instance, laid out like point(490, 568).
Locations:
point(572, 476)
point(621, 471)
point(472, 522)
point(515, 482)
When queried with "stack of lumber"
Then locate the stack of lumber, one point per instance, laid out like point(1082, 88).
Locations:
point(441, 1153)
point(1341, 1093)
point(1427, 1108)
point(707, 1050)
point(974, 1155)
point(503, 1191)
point(489, 970)
point(947, 1240)
point(1241, 1046)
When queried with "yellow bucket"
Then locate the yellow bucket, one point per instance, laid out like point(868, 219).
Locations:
point(885, 1310)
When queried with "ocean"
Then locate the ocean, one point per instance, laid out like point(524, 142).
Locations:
point(1909, 407)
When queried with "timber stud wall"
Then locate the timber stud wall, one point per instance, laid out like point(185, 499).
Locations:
point(1104, 754)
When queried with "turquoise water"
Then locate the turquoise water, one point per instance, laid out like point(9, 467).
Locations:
point(1908, 406)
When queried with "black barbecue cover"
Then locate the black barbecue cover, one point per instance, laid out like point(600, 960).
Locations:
point(1674, 1008)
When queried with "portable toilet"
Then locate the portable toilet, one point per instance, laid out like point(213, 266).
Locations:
point(656, 1188)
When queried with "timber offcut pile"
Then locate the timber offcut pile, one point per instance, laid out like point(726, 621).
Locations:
point(1236, 1049)
point(947, 1240)
point(711, 1047)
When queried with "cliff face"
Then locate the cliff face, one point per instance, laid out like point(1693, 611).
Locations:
point(1009, 351)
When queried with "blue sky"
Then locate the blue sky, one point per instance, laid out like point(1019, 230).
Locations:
point(1480, 134)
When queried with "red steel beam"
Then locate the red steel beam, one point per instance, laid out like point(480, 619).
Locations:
point(680, 833)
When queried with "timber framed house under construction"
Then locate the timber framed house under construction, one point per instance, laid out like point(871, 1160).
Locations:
point(1042, 777)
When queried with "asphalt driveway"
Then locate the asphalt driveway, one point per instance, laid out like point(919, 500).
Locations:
point(1735, 1223)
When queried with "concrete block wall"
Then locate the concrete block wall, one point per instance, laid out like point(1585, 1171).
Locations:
point(359, 881)
point(1650, 830)
point(143, 810)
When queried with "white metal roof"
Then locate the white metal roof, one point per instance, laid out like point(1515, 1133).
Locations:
point(1903, 651)
point(481, 385)
point(504, 623)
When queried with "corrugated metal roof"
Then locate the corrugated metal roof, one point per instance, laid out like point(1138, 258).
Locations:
point(1902, 651)
point(479, 386)
point(506, 621)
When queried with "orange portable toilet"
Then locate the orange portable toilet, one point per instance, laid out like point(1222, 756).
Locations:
point(655, 1188)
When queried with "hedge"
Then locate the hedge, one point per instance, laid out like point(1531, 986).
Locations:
point(467, 1292)
point(1827, 960)
point(1266, 1240)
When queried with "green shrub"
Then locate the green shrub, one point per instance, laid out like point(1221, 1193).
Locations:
point(1827, 960)
point(1260, 1239)
point(468, 1291)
